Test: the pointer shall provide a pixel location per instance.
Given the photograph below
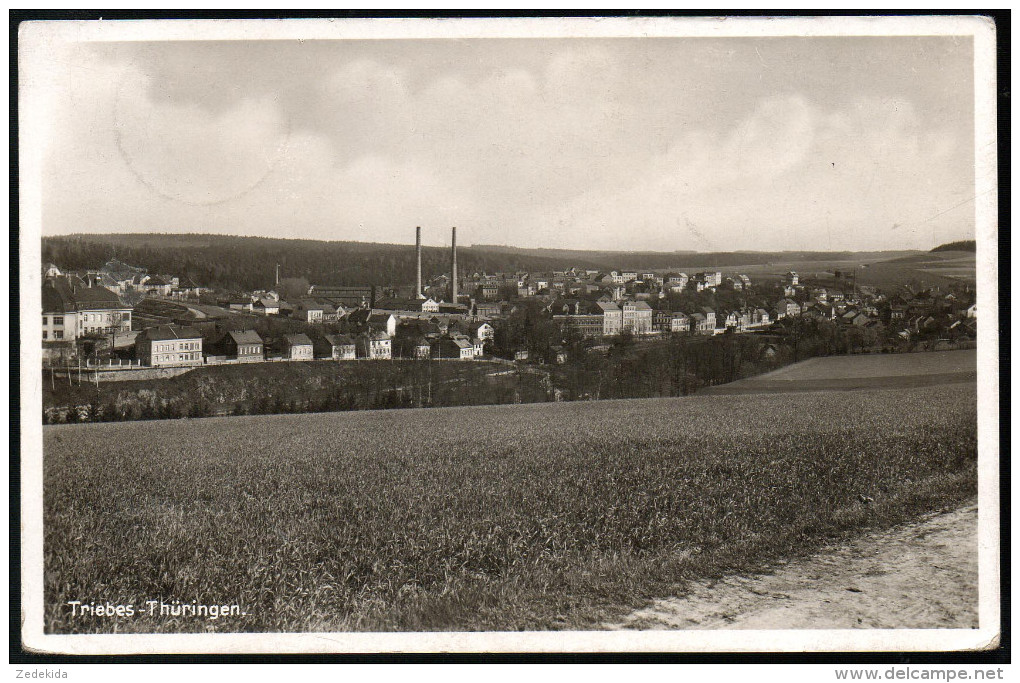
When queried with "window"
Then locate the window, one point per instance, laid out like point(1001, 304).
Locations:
point(44, 334)
point(44, 320)
point(58, 335)
point(57, 320)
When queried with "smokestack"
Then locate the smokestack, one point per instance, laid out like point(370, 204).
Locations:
point(277, 274)
point(453, 268)
point(417, 253)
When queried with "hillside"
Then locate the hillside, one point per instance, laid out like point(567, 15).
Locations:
point(247, 263)
point(962, 245)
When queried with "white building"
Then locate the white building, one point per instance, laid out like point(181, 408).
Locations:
point(169, 346)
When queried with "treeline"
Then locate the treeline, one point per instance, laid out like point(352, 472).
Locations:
point(678, 365)
point(274, 388)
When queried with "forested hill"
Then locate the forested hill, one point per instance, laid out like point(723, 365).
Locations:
point(246, 263)
point(962, 245)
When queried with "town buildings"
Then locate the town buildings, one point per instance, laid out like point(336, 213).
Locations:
point(385, 322)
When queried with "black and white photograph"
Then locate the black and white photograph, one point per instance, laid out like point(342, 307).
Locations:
point(509, 335)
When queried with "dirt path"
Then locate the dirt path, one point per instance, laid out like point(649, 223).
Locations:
point(918, 575)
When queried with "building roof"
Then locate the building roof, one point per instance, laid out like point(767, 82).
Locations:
point(164, 332)
point(300, 339)
point(54, 299)
point(607, 306)
point(642, 306)
point(246, 337)
point(309, 305)
point(63, 294)
point(106, 280)
point(338, 340)
point(400, 304)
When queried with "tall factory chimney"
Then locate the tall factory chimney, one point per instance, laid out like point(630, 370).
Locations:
point(277, 274)
point(453, 269)
point(417, 255)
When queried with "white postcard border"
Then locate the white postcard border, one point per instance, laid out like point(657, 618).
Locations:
point(35, 37)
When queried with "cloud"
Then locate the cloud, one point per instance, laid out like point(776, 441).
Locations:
point(190, 155)
point(544, 143)
point(805, 177)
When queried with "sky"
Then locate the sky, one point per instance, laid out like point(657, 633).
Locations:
point(707, 144)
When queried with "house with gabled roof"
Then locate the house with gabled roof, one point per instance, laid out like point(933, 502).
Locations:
point(701, 324)
point(298, 347)
point(245, 345)
point(787, 307)
point(375, 345)
point(157, 285)
point(341, 347)
point(453, 347)
point(266, 306)
point(612, 318)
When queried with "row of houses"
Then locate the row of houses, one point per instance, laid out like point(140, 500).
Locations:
point(618, 283)
point(185, 346)
point(602, 318)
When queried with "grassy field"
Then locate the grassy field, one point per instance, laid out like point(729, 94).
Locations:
point(868, 371)
point(545, 516)
point(960, 265)
point(878, 365)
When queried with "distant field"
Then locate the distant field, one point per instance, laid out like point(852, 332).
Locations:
point(929, 268)
point(863, 372)
point(543, 516)
point(879, 270)
point(877, 365)
point(960, 265)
